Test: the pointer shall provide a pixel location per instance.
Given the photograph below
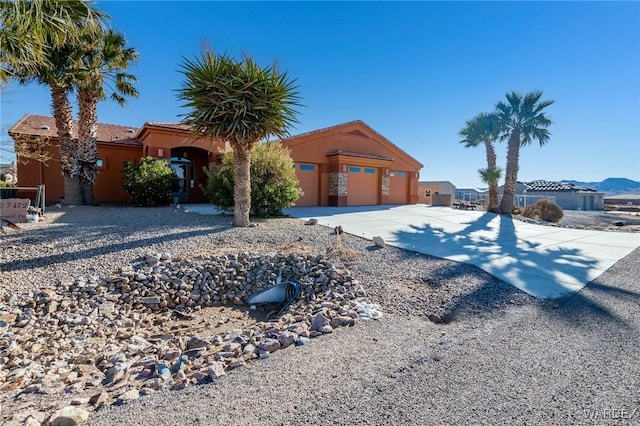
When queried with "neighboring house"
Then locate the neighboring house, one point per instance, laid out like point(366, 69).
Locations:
point(436, 193)
point(348, 164)
point(566, 195)
point(623, 200)
point(472, 194)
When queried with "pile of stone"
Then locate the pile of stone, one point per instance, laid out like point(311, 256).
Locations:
point(114, 339)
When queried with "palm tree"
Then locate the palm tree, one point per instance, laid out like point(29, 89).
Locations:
point(239, 102)
point(37, 39)
point(491, 178)
point(28, 28)
point(101, 65)
point(484, 129)
point(522, 120)
point(54, 72)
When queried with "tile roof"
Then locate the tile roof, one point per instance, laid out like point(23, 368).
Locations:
point(545, 186)
point(169, 125)
point(39, 125)
point(358, 154)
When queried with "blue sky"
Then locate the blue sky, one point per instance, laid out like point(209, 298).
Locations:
point(414, 71)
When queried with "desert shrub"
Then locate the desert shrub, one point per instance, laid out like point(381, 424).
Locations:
point(148, 181)
point(274, 184)
point(544, 210)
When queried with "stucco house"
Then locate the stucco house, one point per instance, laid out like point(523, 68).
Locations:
point(347, 164)
point(623, 200)
point(566, 195)
point(436, 192)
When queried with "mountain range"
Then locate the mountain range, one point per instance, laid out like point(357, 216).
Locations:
point(611, 186)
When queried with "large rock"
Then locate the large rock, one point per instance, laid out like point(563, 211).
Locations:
point(287, 338)
point(130, 395)
point(270, 345)
point(196, 342)
point(318, 321)
point(216, 370)
point(69, 416)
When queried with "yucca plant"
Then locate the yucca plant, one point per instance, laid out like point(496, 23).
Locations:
point(240, 102)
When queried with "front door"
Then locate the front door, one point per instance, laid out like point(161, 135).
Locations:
point(182, 175)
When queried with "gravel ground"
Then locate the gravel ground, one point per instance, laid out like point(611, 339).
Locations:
point(500, 357)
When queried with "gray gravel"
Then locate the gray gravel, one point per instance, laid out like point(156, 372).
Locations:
point(501, 357)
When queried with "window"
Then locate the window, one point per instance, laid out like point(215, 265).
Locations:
point(354, 169)
point(427, 193)
point(101, 163)
point(307, 167)
point(392, 173)
point(369, 170)
point(401, 174)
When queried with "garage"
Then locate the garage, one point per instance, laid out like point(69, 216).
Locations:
point(309, 177)
point(363, 186)
point(350, 165)
point(398, 187)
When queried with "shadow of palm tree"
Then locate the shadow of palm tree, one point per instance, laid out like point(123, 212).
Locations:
point(511, 259)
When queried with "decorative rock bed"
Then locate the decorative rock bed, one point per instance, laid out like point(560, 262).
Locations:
point(117, 338)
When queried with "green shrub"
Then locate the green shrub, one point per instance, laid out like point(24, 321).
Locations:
point(5, 184)
point(274, 184)
point(544, 210)
point(148, 181)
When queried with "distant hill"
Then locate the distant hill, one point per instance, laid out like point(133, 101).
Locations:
point(611, 186)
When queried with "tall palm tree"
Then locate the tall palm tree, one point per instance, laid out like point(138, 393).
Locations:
point(102, 62)
point(29, 27)
point(522, 119)
point(37, 39)
point(484, 129)
point(239, 102)
point(54, 72)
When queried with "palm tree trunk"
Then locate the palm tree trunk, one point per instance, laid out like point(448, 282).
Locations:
point(511, 174)
point(242, 184)
point(493, 186)
point(493, 206)
point(87, 137)
point(72, 191)
point(67, 150)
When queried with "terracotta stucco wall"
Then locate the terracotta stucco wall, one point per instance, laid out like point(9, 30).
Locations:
point(167, 140)
point(33, 173)
point(109, 187)
point(315, 150)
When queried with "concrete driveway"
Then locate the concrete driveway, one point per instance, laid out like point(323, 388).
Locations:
point(544, 261)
